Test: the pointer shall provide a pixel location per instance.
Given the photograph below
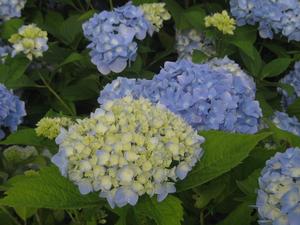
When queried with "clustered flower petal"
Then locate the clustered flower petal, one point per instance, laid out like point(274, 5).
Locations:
point(12, 110)
point(216, 95)
point(5, 50)
point(189, 40)
point(292, 79)
point(278, 199)
point(30, 40)
point(17, 154)
point(112, 36)
point(50, 127)
point(126, 149)
point(284, 122)
point(273, 16)
point(221, 21)
point(156, 13)
point(10, 9)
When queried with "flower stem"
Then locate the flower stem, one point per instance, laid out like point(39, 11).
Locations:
point(111, 4)
point(57, 96)
point(10, 216)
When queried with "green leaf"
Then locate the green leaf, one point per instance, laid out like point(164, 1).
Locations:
point(241, 215)
point(73, 57)
point(70, 29)
point(199, 56)
point(246, 47)
point(27, 136)
point(255, 65)
point(222, 152)
point(25, 212)
point(167, 212)
point(10, 27)
point(294, 109)
point(276, 67)
point(139, 2)
point(249, 185)
point(46, 189)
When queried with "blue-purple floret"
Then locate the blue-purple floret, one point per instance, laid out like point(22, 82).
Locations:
point(213, 96)
point(112, 35)
point(273, 16)
point(12, 110)
point(284, 122)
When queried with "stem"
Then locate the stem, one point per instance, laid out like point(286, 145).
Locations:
point(10, 216)
point(38, 219)
point(111, 4)
point(201, 218)
point(57, 96)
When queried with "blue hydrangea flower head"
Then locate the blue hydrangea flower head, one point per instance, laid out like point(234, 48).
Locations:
point(10, 9)
point(216, 95)
point(293, 79)
point(189, 40)
point(273, 16)
point(278, 197)
point(126, 149)
point(12, 110)
point(112, 35)
point(284, 122)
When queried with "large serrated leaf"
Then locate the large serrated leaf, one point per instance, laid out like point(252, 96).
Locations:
point(47, 189)
point(222, 152)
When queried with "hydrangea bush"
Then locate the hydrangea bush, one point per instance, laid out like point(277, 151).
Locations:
point(149, 112)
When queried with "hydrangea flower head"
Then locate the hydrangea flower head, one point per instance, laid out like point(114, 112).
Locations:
point(12, 110)
point(50, 127)
point(5, 50)
point(293, 79)
point(112, 36)
point(189, 40)
point(221, 21)
point(10, 9)
point(284, 122)
point(278, 199)
point(156, 13)
point(30, 40)
point(273, 16)
point(126, 149)
point(216, 95)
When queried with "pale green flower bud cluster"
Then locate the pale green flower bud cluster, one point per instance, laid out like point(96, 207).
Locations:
point(17, 154)
point(30, 40)
point(50, 127)
point(126, 149)
point(156, 14)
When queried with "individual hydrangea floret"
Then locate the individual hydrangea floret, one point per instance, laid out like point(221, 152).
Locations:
point(10, 9)
point(292, 79)
point(12, 110)
point(189, 40)
point(50, 127)
point(273, 16)
point(284, 122)
point(156, 14)
point(278, 200)
point(216, 95)
point(5, 50)
point(221, 21)
point(16, 154)
point(126, 149)
point(112, 35)
point(30, 40)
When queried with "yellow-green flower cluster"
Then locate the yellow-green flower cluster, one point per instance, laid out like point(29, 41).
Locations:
point(128, 148)
point(50, 127)
point(30, 40)
point(156, 13)
point(222, 21)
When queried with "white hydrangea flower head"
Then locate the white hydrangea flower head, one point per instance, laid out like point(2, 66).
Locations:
point(156, 14)
point(126, 149)
point(30, 40)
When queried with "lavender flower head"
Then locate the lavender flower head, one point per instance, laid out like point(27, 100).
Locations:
point(5, 50)
point(112, 35)
point(10, 9)
point(189, 40)
point(217, 95)
point(278, 199)
point(284, 122)
point(293, 79)
point(273, 16)
point(12, 109)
